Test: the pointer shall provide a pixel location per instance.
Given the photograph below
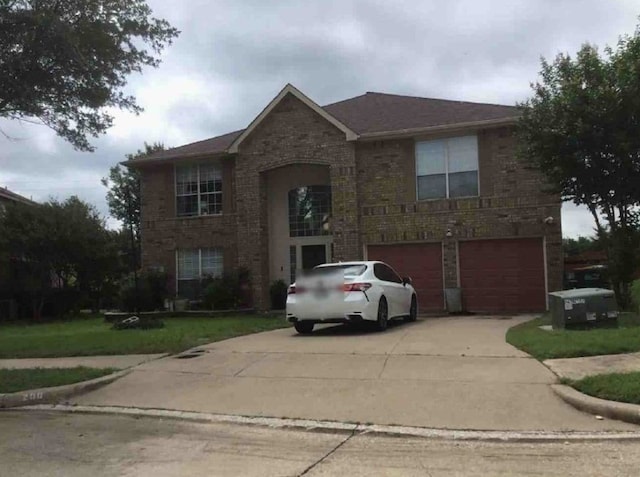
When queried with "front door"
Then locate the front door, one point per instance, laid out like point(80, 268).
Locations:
point(313, 255)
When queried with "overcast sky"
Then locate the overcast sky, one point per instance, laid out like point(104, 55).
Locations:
point(234, 56)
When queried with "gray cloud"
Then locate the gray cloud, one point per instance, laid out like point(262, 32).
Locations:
point(234, 56)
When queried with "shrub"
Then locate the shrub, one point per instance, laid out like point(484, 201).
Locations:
point(227, 292)
point(635, 294)
point(278, 292)
point(150, 294)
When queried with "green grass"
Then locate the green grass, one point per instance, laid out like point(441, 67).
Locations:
point(573, 343)
point(14, 380)
point(624, 387)
point(92, 336)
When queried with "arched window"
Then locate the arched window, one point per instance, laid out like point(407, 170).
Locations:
point(309, 211)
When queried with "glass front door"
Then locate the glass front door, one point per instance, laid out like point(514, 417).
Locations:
point(313, 255)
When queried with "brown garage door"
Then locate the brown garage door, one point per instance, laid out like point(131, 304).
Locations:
point(421, 262)
point(502, 276)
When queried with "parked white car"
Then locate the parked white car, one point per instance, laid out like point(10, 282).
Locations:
point(350, 292)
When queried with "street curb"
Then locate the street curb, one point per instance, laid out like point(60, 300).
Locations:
point(57, 394)
point(344, 427)
point(620, 411)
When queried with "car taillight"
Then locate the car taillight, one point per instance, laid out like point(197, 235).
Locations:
point(293, 290)
point(362, 287)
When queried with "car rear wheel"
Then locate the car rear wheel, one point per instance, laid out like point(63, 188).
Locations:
point(383, 315)
point(303, 327)
point(413, 310)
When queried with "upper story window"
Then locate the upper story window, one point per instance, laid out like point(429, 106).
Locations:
point(198, 190)
point(447, 168)
point(309, 211)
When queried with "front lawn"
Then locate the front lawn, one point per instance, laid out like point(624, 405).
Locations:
point(543, 344)
point(92, 336)
point(624, 387)
point(14, 380)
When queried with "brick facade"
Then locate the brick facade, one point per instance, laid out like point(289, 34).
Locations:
point(373, 199)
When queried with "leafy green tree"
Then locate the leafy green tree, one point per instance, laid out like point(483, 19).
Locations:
point(582, 128)
point(64, 63)
point(59, 246)
point(580, 245)
point(123, 197)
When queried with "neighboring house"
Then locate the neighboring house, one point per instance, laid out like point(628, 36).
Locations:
point(8, 306)
point(433, 187)
point(7, 197)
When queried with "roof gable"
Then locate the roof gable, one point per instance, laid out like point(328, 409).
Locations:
point(290, 89)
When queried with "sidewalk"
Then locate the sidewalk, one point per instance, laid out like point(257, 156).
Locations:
point(578, 368)
point(116, 361)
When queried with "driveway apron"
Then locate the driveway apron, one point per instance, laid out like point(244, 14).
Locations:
point(455, 373)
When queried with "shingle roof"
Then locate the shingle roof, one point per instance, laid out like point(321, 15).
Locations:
point(373, 113)
point(9, 195)
point(380, 112)
point(207, 146)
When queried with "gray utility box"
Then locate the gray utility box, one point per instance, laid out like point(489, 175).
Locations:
point(581, 307)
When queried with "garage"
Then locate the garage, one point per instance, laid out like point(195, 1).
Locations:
point(423, 263)
point(502, 276)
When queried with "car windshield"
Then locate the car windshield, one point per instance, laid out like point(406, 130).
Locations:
point(348, 270)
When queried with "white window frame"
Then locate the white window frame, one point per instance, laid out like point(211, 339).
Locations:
point(199, 193)
point(199, 277)
point(446, 168)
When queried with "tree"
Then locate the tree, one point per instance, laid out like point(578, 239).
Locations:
point(64, 63)
point(580, 245)
point(59, 246)
point(582, 128)
point(123, 196)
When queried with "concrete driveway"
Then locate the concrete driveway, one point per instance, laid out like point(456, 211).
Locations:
point(456, 373)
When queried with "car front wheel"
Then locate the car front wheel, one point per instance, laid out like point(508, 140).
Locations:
point(383, 315)
point(303, 327)
point(413, 310)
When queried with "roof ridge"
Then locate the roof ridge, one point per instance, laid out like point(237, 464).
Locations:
point(435, 99)
point(344, 100)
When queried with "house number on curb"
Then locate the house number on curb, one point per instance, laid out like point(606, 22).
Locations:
point(32, 396)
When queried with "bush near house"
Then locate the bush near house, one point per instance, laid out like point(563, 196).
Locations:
point(635, 295)
point(278, 292)
point(150, 294)
point(228, 292)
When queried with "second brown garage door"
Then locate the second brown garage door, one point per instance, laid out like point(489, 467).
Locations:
point(421, 262)
point(502, 276)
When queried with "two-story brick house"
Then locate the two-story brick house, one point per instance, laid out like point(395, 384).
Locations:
point(432, 187)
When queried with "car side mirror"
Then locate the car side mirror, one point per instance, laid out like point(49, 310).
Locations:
point(406, 280)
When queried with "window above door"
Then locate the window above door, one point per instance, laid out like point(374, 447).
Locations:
point(309, 211)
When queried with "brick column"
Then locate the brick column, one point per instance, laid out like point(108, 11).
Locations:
point(344, 198)
point(450, 260)
point(253, 249)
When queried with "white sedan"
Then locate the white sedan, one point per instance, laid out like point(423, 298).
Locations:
point(350, 292)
